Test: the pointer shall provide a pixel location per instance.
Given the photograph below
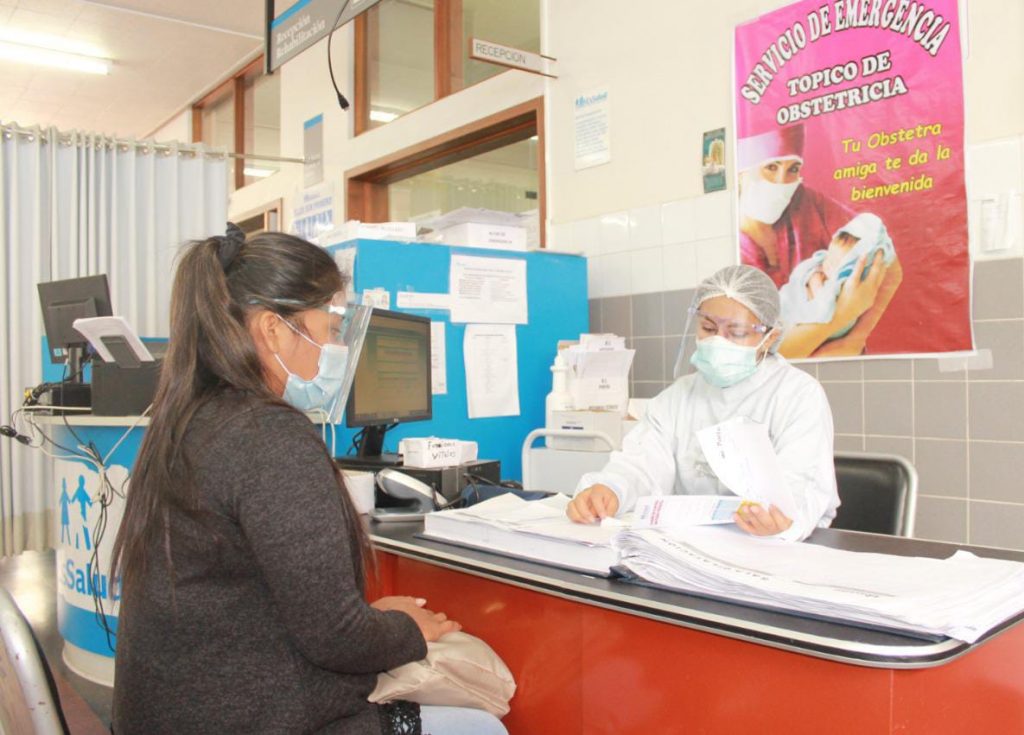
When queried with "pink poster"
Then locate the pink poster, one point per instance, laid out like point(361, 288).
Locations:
point(850, 160)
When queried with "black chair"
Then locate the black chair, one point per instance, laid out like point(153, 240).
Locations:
point(878, 493)
point(29, 702)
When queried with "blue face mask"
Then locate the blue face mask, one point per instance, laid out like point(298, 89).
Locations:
point(723, 363)
point(322, 390)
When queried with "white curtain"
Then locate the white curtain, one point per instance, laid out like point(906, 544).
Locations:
point(76, 205)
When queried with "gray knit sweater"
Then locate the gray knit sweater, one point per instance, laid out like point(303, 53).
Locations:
point(270, 633)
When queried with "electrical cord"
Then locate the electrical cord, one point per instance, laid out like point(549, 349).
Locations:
point(342, 102)
point(86, 452)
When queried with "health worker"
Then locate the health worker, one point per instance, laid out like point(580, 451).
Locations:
point(736, 317)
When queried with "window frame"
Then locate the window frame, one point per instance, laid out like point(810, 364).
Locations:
point(233, 86)
point(448, 60)
point(366, 186)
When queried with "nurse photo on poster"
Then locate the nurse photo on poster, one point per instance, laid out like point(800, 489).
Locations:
point(810, 246)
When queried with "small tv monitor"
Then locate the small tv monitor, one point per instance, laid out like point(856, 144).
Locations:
point(392, 380)
point(67, 300)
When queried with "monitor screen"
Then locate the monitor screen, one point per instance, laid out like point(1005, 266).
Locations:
point(65, 301)
point(392, 381)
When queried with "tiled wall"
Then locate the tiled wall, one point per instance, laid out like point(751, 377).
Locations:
point(960, 422)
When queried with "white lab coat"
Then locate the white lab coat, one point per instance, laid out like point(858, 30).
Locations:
point(662, 455)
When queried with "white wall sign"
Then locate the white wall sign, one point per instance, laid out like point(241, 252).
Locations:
point(495, 53)
point(313, 151)
point(591, 129)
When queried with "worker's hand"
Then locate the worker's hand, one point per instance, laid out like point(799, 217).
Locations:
point(432, 625)
point(757, 521)
point(593, 504)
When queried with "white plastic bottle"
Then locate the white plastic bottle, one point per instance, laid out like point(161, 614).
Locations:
point(558, 399)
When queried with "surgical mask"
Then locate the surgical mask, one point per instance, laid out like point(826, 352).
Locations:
point(723, 363)
point(765, 201)
point(321, 392)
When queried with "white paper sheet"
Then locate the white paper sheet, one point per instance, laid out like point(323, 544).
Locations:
point(438, 360)
point(416, 300)
point(742, 456)
point(685, 510)
point(346, 262)
point(472, 215)
point(963, 596)
point(492, 372)
point(488, 290)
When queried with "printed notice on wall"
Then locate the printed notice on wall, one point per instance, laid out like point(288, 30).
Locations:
point(850, 165)
point(492, 372)
point(491, 290)
point(438, 360)
point(592, 129)
point(313, 213)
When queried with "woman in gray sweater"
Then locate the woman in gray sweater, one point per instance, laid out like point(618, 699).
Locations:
point(241, 557)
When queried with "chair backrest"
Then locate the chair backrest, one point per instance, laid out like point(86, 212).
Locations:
point(29, 702)
point(877, 492)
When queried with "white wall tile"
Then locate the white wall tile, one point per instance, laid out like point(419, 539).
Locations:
point(647, 270)
point(614, 232)
point(680, 263)
point(714, 254)
point(645, 227)
point(713, 215)
point(994, 168)
point(560, 237)
point(586, 236)
point(594, 277)
point(614, 274)
point(677, 221)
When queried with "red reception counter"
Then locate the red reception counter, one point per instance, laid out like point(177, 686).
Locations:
point(594, 655)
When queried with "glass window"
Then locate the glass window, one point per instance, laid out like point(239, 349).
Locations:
point(515, 24)
point(504, 179)
point(262, 125)
point(219, 129)
point(400, 58)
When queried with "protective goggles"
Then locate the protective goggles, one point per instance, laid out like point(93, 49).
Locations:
point(735, 331)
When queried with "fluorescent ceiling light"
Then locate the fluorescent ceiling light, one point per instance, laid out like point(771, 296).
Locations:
point(382, 116)
point(258, 173)
point(52, 51)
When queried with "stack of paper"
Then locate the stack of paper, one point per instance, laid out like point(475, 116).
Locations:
point(538, 530)
point(962, 597)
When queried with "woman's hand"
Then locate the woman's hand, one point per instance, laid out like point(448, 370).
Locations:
point(757, 521)
point(432, 625)
point(855, 342)
point(593, 504)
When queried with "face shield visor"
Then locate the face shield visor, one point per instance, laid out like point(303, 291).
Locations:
point(703, 326)
point(327, 392)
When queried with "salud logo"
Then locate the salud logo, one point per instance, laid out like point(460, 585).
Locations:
point(76, 533)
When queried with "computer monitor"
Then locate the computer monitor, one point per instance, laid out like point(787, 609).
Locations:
point(65, 301)
point(392, 380)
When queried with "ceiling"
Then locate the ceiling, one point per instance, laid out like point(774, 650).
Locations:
point(165, 53)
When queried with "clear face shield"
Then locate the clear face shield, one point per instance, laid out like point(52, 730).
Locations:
point(327, 391)
point(347, 330)
point(700, 325)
